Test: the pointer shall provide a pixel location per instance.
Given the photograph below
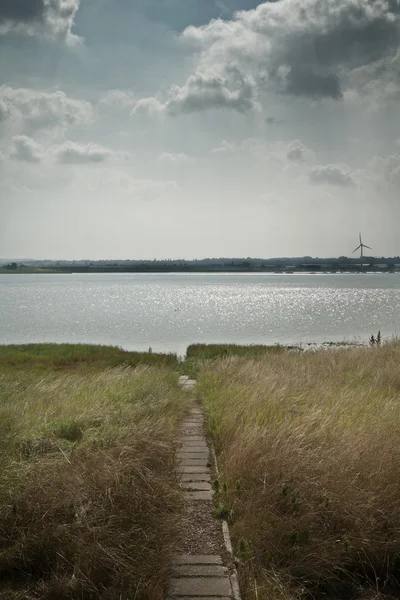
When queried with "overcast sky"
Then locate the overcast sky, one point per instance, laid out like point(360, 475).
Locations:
point(195, 128)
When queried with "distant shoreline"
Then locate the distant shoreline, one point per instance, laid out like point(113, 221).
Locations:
point(171, 271)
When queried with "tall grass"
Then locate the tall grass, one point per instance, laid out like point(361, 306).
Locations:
point(212, 351)
point(309, 450)
point(88, 500)
point(66, 356)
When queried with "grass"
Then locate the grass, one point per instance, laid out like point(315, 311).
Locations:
point(213, 351)
point(89, 507)
point(309, 454)
point(61, 356)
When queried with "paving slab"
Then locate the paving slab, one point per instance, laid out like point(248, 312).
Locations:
point(199, 571)
point(195, 477)
point(190, 454)
point(192, 427)
point(193, 438)
point(193, 447)
point(192, 450)
point(201, 443)
point(197, 559)
point(192, 457)
point(200, 495)
point(199, 597)
point(190, 461)
point(192, 469)
point(200, 586)
point(190, 486)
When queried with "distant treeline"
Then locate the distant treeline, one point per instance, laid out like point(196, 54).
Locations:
point(304, 263)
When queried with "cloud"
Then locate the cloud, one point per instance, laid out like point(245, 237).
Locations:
point(205, 90)
point(296, 151)
point(74, 153)
point(301, 47)
point(385, 171)
point(173, 158)
point(331, 174)
point(41, 109)
point(375, 85)
point(285, 154)
point(273, 120)
point(26, 149)
point(51, 18)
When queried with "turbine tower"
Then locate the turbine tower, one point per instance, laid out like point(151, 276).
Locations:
point(361, 247)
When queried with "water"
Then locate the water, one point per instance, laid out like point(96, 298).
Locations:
point(170, 311)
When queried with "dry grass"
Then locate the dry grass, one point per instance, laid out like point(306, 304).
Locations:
point(72, 356)
point(88, 500)
point(212, 351)
point(309, 449)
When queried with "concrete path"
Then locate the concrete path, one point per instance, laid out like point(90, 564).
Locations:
point(198, 576)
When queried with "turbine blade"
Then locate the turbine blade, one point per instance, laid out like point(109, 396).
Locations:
point(358, 247)
point(365, 246)
point(360, 239)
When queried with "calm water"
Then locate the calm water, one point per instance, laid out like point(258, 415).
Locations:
point(168, 312)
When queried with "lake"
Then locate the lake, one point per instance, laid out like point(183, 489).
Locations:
point(167, 312)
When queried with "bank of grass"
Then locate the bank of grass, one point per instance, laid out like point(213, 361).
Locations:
point(309, 453)
point(212, 351)
point(79, 355)
point(89, 507)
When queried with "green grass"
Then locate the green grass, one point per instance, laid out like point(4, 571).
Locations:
point(78, 355)
point(309, 454)
point(213, 351)
point(89, 501)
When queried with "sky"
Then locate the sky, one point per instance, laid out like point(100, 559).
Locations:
point(199, 128)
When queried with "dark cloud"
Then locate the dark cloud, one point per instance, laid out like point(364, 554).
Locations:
point(22, 11)
point(53, 18)
point(302, 82)
point(273, 120)
point(302, 47)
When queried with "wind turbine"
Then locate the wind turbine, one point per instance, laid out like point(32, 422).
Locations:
point(361, 247)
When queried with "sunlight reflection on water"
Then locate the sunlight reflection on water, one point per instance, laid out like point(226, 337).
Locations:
point(168, 312)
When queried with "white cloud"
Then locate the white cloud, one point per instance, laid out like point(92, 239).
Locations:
point(173, 158)
point(385, 171)
point(42, 109)
point(332, 174)
point(26, 149)
point(296, 151)
point(299, 47)
point(375, 85)
point(74, 153)
point(205, 90)
point(51, 18)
